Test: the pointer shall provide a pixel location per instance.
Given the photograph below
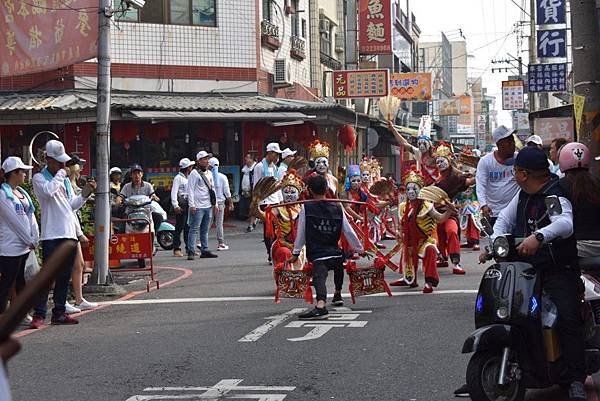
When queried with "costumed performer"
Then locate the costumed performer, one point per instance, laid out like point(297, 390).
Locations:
point(319, 152)
point(423, 152)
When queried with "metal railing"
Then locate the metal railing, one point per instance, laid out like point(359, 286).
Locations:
point(267, 28)
point(330, 62)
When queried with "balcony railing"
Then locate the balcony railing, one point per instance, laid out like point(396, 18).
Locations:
point(269, 35)
point(330, 62)
point(298, 46)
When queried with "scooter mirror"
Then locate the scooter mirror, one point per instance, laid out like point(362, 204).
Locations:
point(487, 227)
point(553, 205)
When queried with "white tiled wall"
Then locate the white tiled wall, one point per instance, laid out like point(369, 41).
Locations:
point(300, 70)
point(232, 43)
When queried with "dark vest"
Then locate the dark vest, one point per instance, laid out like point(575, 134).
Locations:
point(323, 229)
point(586, 216)
point(560, 252)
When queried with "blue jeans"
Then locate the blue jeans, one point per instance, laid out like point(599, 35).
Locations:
point(61, 283)
point(199, 222)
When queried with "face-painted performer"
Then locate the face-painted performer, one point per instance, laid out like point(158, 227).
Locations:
point(423, 152)
point(319, 153)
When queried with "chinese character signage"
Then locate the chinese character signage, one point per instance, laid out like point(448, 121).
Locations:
point(360, 83)
point(547, 77)
point(464, 124)
point(481, 124)
point(124, 246)
point(512, 95)
point(449, 107)
point(555, 127)
point(375, 25)
point(552, 43)
point(411, 86)
point(42, 35)
point(551, 12)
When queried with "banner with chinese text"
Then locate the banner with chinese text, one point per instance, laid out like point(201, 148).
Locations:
point(411, 86)
point(449, 107)
point(513, 95)
point(43, 35)
point(554, 127)
point(360, 83)
point(375, 26)
point(465, 119)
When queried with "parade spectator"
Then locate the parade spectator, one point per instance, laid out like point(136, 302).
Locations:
point(246, 192)
point(223, 200)
point(495, 178)
point(201, 199)
point(555, 146)
point(18, 228)
point(286, 158)
point(534, 140)
point(115, 175)
point(138, 186)
point(267, 168)
point(179, 201)
point(320, 226)
point(59, 224)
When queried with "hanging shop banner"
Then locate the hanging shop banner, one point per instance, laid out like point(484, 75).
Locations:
point(45, 35)
point(521, 121)
point(552, 43)
point(547, 77)
point(513, 95)
point(425, 126)
point(465, 120)
point(411, 86)
point(551, 12)
point(555, 127)
point(578, 105)
point(375, 26)
point(360, 83)
point(449, 107)
point(481, 124)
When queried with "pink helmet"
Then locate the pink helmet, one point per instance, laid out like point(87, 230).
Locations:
point(573, 155)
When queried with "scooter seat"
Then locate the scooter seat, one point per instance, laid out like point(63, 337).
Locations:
point(590, 264)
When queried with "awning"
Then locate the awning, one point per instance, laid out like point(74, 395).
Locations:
point(217, 116)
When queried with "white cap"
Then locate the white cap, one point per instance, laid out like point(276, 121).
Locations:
point(213, 161)
point(535, 139)
point(185, 163)
point(202, 154)
point(14, 163)
point(115, 170)
point(56, 150)
point(500, 133)
point(288, 152)
point(273, 147)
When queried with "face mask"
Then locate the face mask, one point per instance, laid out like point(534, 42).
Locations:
point(412, 191)
point(355, 182)
point(366, 176)
point(423, 145)
point(322, 165)
point(290, 194)
point(442, 163)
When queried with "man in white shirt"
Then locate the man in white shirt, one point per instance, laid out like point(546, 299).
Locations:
point(58, 204)
point(496, 185)
point(246, 195)
point(201, 202)
point(223, 200)
point(179, 201)
point(286, 158)
point(267, 168)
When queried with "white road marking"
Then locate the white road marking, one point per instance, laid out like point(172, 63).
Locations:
point(269, 298)
point(338, 317)
point(257, 333)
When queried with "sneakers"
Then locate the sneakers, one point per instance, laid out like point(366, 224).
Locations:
point(86, 305)
point(458, 270)
point(190, 256)
point(69, 309)
point(462, 392)
point(315, 314)
point(177, 253)
point(428, 289)
point(222, 247)
point(249, 229)
point(37, 322)
point(208, 254)
point(27, 319)
point(337, 299)
point(63, 319)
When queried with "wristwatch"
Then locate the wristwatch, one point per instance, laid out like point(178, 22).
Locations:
point(539, 236)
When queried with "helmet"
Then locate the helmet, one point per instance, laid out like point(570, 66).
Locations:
point(115, 170)
point(573, 155)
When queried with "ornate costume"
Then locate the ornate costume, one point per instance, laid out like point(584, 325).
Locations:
point(319, 152)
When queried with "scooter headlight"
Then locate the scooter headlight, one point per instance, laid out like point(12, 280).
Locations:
point(502, 312)
point(501, 247)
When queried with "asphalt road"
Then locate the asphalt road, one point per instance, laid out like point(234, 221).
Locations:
point(218, 335)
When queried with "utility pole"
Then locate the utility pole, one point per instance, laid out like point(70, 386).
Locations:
point(102, 212)
point(532, 48)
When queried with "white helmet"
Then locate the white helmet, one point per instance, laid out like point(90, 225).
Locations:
point(115, 170)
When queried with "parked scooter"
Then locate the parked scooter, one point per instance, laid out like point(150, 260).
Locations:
point(515, 345)
point(165, 231)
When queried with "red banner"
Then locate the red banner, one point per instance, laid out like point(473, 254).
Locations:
point(375, 26)
point(43, 35)
point(124, 246)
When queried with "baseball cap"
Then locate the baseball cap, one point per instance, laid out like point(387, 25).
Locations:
point(56, 150)
point(202, 154)
point(532, 158)
point(500, 133)
point(14, 163)
point(213, 161)
point(273, 147)
point(136, 167)
point(76, 160)
point(115, 170)
point(288, 152)
point(535, 139)
point(185, 163)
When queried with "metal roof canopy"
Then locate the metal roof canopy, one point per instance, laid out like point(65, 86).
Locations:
point(217, 116)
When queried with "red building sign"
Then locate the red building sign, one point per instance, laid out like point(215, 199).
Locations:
point(360, 83)
point(375, 26)
point(43, 35)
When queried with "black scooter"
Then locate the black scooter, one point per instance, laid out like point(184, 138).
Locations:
point(512, 349)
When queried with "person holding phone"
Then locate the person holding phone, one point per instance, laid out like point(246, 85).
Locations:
point(19, 233)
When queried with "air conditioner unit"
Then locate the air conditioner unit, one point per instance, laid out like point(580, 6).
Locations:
point(324, 25)
point(281, 72)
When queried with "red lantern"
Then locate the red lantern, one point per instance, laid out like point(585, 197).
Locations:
point(347, 137)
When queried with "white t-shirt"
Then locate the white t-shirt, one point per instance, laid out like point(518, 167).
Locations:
point(222, 188)
point(271, 172)
point(496, 185)
point(198, 195)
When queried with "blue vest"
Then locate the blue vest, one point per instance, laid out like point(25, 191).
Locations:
point(323, 229)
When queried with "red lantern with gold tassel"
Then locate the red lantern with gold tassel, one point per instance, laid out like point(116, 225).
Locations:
point(347, 137)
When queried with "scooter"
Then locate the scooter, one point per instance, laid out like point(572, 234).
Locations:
point(515, 345)
point(165, 231)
